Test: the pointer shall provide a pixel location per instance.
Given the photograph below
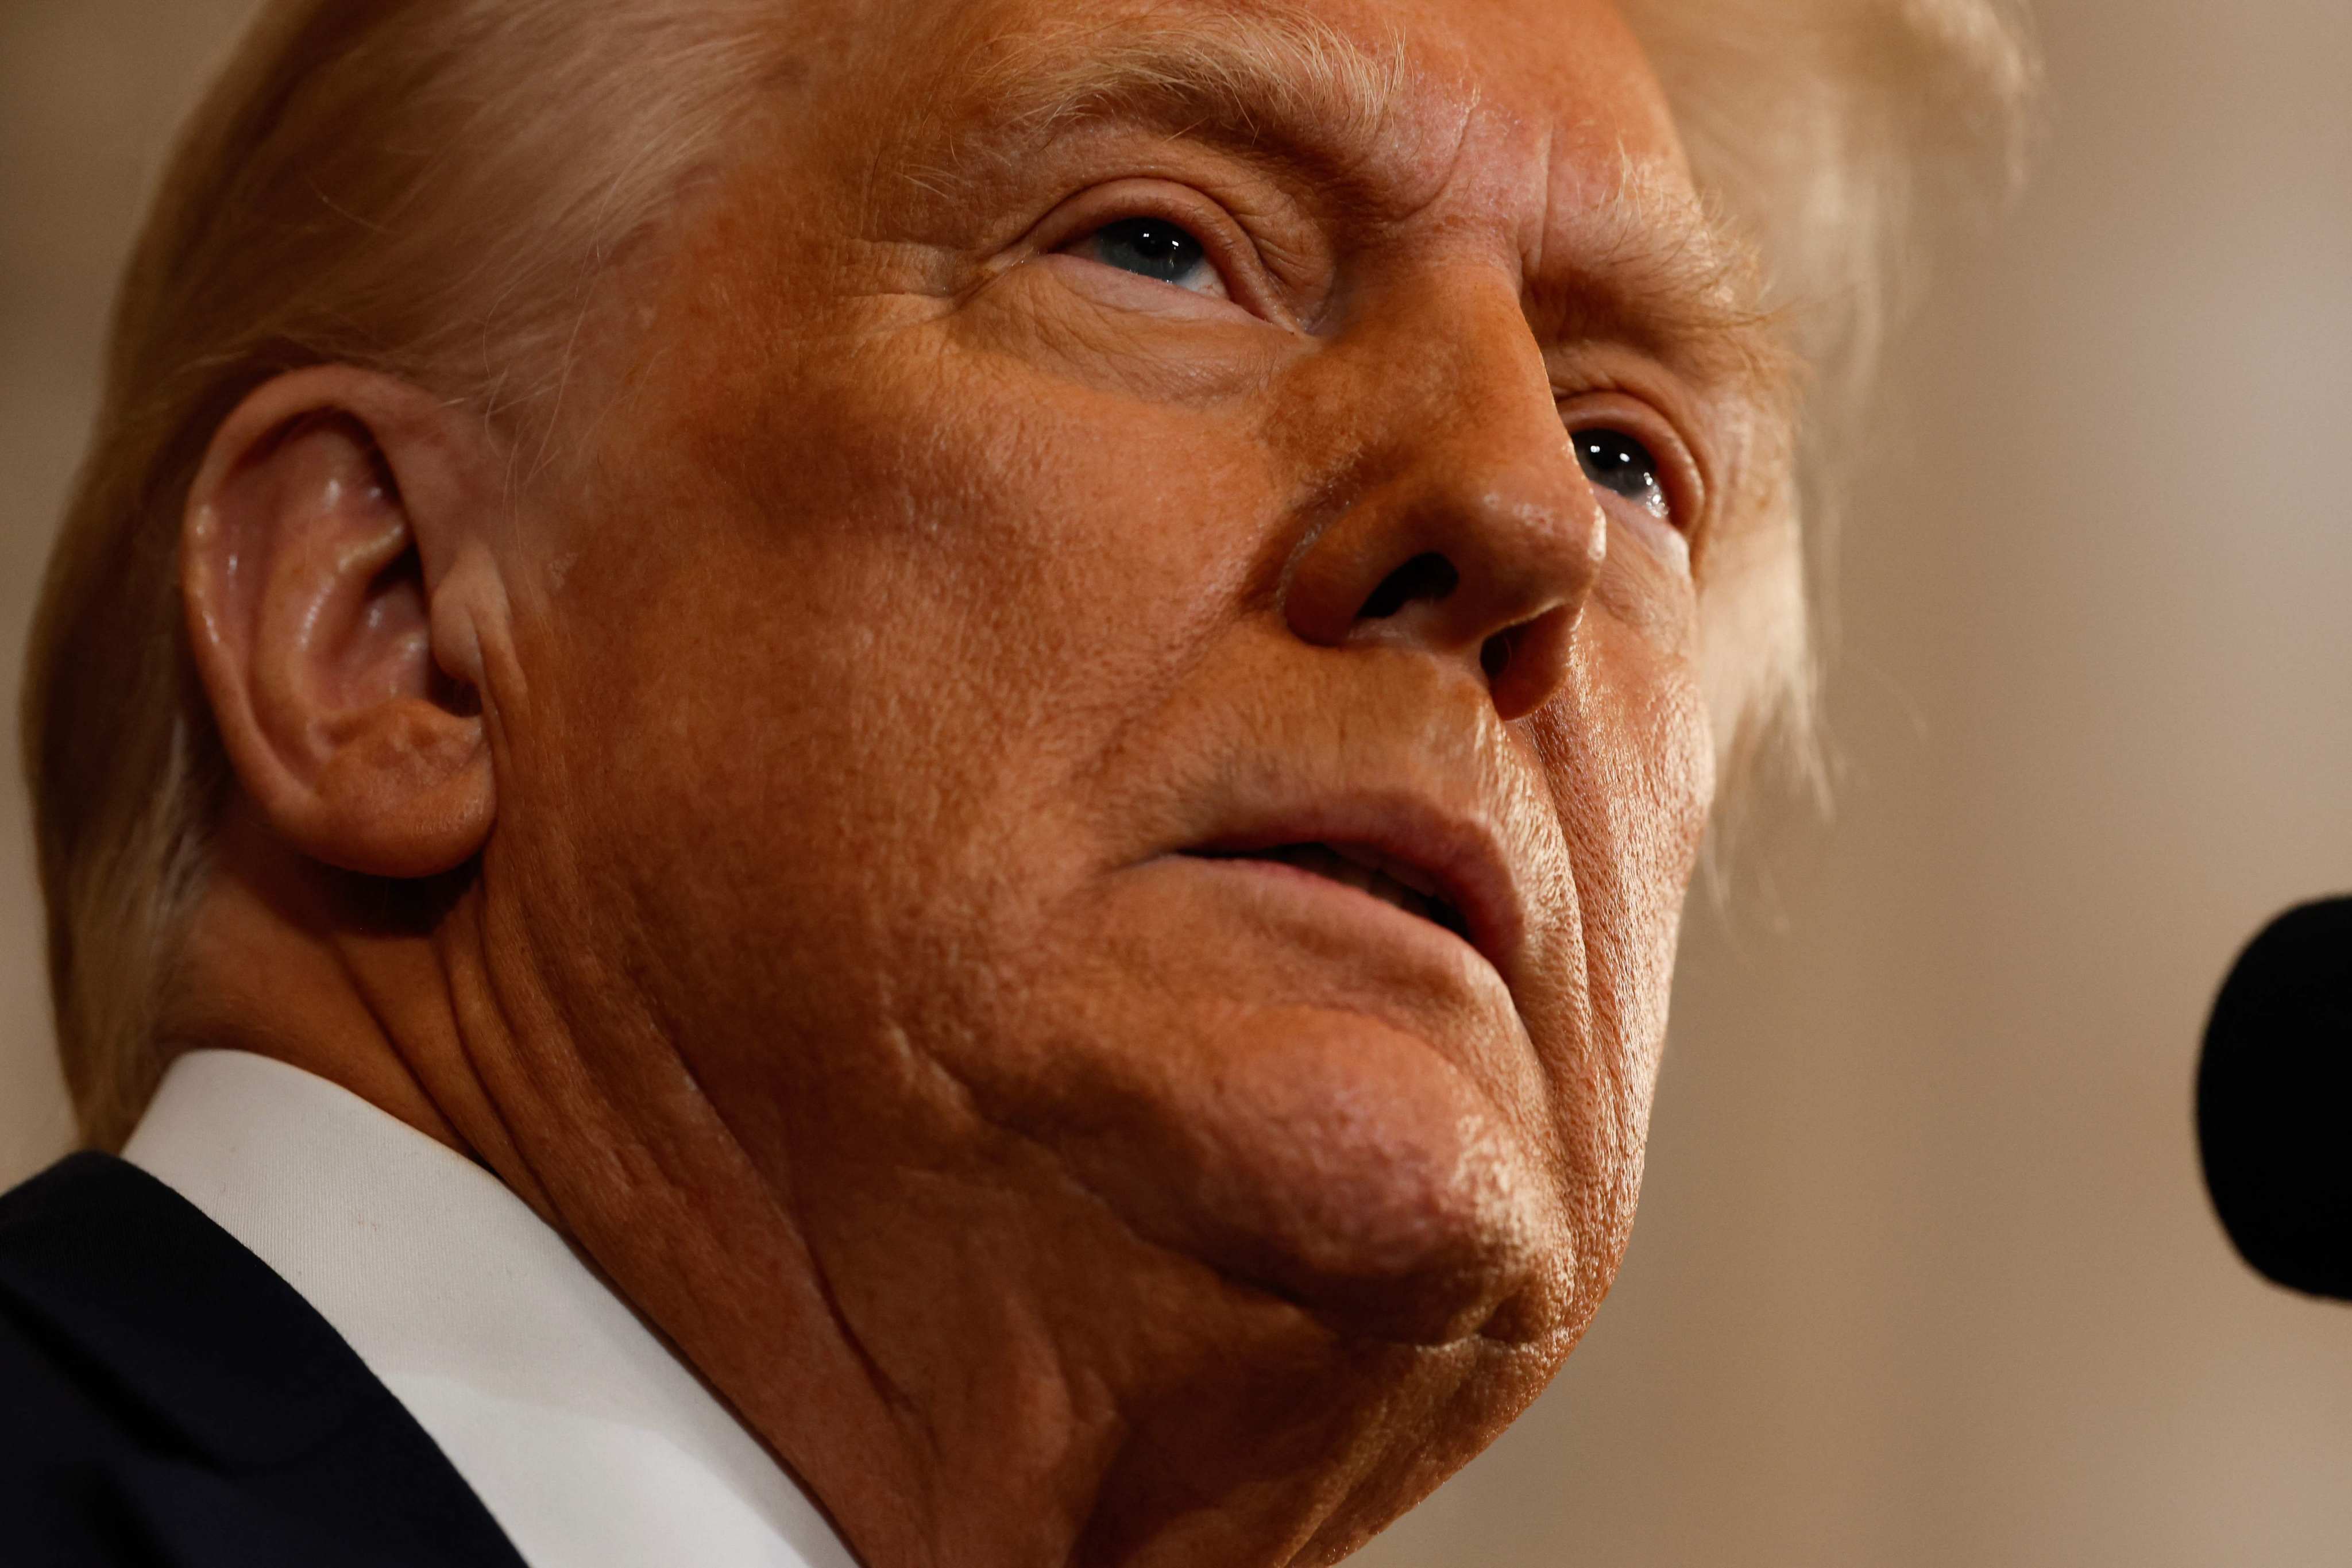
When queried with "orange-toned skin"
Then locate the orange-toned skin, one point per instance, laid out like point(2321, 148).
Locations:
point(750, 826)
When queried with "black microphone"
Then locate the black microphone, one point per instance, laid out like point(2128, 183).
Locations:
point(2274, 1100)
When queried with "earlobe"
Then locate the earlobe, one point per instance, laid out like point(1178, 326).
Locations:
point(320, 526)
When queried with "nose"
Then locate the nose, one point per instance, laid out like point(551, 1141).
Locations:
point(1467, 529)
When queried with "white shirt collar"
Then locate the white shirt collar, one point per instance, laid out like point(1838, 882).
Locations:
point(590, 1443)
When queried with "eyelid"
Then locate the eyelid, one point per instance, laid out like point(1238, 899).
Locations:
point(1681, 474)
point(1228, 245)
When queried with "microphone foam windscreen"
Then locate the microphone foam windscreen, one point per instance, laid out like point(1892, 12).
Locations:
point(2274, 1100)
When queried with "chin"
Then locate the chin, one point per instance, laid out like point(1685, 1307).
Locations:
point(1335, 1161)
point(1355, 1127)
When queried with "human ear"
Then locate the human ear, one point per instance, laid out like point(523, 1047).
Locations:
point(330, 535)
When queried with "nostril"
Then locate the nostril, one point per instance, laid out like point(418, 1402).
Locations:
point(1495, 655)
point(1429, 576)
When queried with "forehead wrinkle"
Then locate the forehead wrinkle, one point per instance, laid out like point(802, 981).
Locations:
point(1647, 263)
point(1271, 75)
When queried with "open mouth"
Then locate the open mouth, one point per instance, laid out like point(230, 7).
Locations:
point(1367, 870)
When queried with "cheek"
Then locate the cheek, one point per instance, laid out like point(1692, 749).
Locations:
point(838, 650)
point(1639, 695)
point(1629, 759)
point(1636, 789)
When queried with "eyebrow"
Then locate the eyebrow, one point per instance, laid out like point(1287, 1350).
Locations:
point(1659, 270)
point(1647, 266)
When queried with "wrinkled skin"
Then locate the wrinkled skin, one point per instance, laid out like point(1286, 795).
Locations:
point(809, 756)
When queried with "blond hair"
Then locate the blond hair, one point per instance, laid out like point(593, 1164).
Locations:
point(430, 187)
point(1844, 139)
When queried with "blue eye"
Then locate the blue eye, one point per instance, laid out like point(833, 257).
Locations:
point(1616, 461)
point(1154, 247)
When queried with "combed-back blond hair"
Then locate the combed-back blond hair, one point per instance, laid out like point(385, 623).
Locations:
point(431, 187)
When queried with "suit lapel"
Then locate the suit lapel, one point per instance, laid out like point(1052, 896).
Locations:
point(245, 1430)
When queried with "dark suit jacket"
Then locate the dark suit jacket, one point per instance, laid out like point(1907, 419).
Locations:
point(166, 1399)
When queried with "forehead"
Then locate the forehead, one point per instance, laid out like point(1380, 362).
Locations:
point(1533, 133)
point(1418, 92)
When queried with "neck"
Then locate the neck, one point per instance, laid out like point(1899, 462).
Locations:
point(966, 1409)
point(306, 965)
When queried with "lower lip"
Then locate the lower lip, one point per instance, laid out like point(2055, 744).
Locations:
point(1298, 918)
point(1329, 899)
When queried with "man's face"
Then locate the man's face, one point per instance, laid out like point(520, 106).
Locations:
point(1089, 696)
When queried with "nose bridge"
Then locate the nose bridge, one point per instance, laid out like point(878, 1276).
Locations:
point(1478, 378)
point(1472, 533)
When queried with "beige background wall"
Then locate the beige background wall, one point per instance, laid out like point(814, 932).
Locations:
point(1924, 1274)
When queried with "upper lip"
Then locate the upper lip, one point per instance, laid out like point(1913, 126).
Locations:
point(1460, 856)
